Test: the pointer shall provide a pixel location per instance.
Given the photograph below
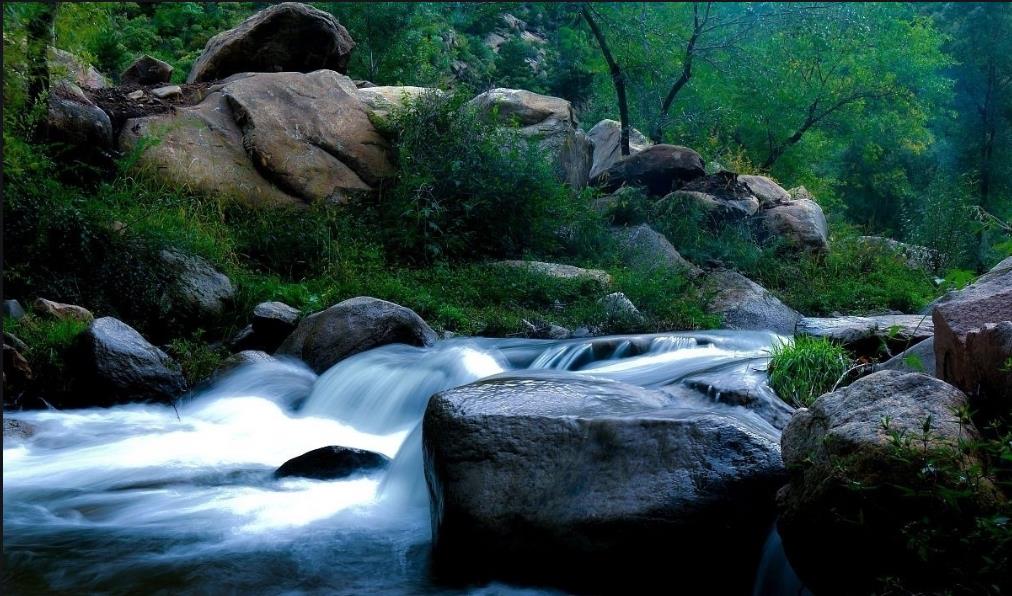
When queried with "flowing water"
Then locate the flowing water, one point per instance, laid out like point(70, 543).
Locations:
point(156, 499)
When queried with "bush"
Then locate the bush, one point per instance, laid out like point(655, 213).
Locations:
point(944, 222)
point(468, 187)
point(802, 370)
point(49, 342)
point(197, 359)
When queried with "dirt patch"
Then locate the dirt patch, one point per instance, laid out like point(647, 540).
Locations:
point(116, 102)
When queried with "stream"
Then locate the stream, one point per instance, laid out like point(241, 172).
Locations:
point(148, 498)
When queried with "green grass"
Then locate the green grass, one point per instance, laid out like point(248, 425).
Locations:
point(802, 370)
point(48, 343)
point(196, 358)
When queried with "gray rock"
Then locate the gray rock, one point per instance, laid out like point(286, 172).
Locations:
point(136, 95)
point(286, 37)
point(799, 224)
point(380, 101)
point(606, 137)
point(765, 190)
point(330, 463)
point(76, 121)
point(844, 432)
point(724, 197)
point(197, 291)
point(658, 169)
point(618, 307)
point(745, 387)
point(355, 325)
point(16, 343)
point(866, 334)
point(13, 309)
point(643, 248)
point(114, 364)
point(549, 120)
point(167, 92)
point(918, 358)
point(273, 322)
point(563, 478)
point(917, 257)
point(66, 67)
point(744, 304)
point(147, 70)
point(559, 271)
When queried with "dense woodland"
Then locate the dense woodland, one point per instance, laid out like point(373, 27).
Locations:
point(896, 118)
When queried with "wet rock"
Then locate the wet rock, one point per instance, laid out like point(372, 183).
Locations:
point(286, 37)
point(61, 312)
point(355, 325)
point(744, 304)
point(13, 309)
point(743, 387)
point(559, 271)
point(331, 463)
point(658, 169)
point(17, 429)
point(563, 479)
point(243, 358)
point(606, 137)
point(114, 364)
point(146, 70)
point(841, 440)
point(273, 322)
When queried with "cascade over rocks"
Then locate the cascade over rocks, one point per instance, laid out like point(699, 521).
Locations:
point(355, 325)
point(330, 463)
point(549, 120)
point(606, 137)
point(274, 138)
point(744, 304)
point(844, 431)
point(659, 169)
point(565, 479)
point(286, 37)
point(147, 70)
point(114, 364)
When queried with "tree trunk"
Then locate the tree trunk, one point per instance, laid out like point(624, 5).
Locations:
point(41, 33)
point(616, 76)
point(658, 130)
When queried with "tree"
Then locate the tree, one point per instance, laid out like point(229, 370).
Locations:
point(40, 37)
point(617, 78)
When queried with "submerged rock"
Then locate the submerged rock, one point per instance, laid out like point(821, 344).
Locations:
point(286, 37)
point(355, 325)
point(566, 479)
point(331, 463)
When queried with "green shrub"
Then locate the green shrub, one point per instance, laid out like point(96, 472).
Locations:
point(49, 342)
point(689, 228)
point(468, 187)
point(943, 221)
point(196, 358)
point(802, 370)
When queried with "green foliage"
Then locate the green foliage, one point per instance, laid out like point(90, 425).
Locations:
point(802, 370)
point(942, 220)
point(468, 187)
point(196, 357)
point(49, 342)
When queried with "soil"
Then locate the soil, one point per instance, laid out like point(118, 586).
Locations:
point(121, 108)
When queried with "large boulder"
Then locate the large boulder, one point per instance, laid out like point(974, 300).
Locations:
point(147, 70)
point(273, 322)
point(565, 479)
point(355, 325)
point(115, 364)
point(606, 137)
point(764, 189)
point(845, 465)
point(331, 463)
point(13, 309)
point(744, 304)
point(658, 169)
point(549, 120)
point(723, 197)
point(197, 291)
point(559, 271)
point(74, 120)
point(274, 138)
point(973, 343)
point(643, 248)
point(286, 37)
point(799, 224)
point(66, 67)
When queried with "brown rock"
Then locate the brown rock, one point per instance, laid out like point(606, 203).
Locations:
point(147, 70)
point(606, 137)
point(61, 311)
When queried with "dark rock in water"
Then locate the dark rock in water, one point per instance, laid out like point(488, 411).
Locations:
point(286, 37)
point(147, 70)
point(331, 463)
point(240, 359)
point(273, 322)
point(114, 364)
point(563, 479)
point(658, 170)
point(244, 339)
point(13, 309)
point(841, 443)
point(355, 325)
point(17, 429)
